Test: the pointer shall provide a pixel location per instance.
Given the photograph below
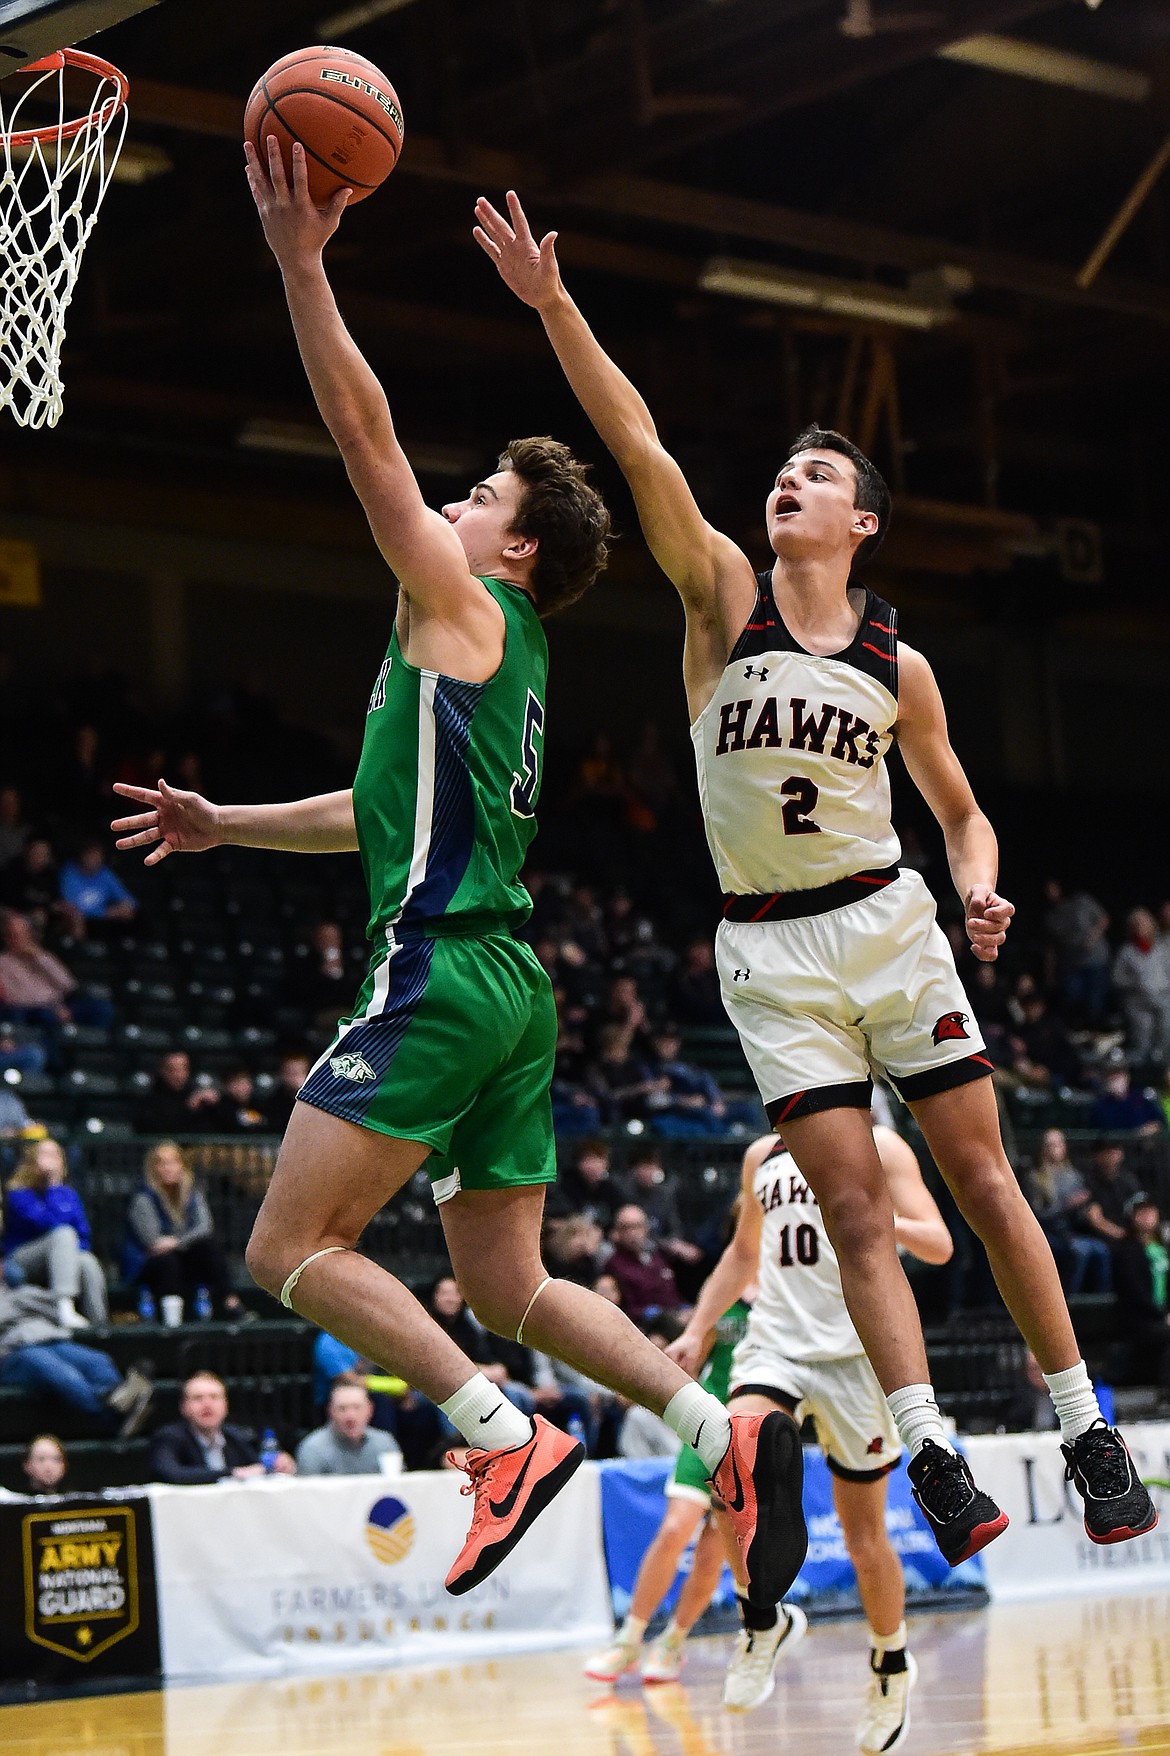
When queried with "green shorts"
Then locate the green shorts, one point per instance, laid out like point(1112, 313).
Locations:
point(451, 1043)
point(690, 1480)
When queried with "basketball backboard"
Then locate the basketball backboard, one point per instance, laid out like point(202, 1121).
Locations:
point(32, 28)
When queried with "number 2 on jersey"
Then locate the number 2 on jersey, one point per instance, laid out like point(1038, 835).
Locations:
point(526, 786)
point(800, 802)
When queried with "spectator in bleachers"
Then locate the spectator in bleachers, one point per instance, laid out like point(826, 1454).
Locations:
point(574, 1249)
point(1059, 1197)
point(620, 1080)
point(22, 1050)
point(1111, 1188)
point(1078, 952)
point(347, 1445)
point(320, 984)
point(624, 1007)
point(170, 1245)
point(203, 1445)
point(1141, 1271)
point(45, 1465)
point(1141, 977)
point(32, 887)
point(649, 1186)
point(684, 1100)
point(176, 1102)
point(990, 1002)
point(292, 1074)
point(642, 1272)
point(1118, 1109)
point(37, 989)
point(587, 1187)
point(236, 1109)
point(40, 1357)
point(1042, 1052)
point(696, 997)
point(47, 1237)
point(89, 886)
point(606, 1287)
point(14, 831)
point(14, 1118)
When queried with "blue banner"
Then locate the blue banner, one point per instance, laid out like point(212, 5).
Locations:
point(633, 1501)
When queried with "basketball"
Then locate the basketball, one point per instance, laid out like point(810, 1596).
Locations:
point(341, 108)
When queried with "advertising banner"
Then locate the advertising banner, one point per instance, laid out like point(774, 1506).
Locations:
point(275, 1576)
point(79, 1597)
point(1045, 1549)
point(633, 1503)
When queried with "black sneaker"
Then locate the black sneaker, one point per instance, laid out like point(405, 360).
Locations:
point(963, 1518)
point(1117, 1504)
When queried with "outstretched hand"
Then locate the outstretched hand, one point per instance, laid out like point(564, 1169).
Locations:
point(295, 227)
point(529, 268)
point(988, 919)
point(174, 823)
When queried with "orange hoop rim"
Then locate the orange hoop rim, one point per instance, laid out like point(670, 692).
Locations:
point(86, 63)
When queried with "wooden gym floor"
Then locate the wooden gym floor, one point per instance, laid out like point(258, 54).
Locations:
point(1083, 1676)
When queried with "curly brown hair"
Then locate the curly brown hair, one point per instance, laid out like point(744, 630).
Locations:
point(566, 516)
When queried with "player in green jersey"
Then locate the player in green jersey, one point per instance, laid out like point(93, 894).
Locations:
point(446, 1059)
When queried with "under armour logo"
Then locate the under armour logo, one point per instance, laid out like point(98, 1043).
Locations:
point(760, 671)
point(741, 975)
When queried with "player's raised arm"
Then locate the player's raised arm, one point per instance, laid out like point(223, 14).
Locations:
point(735, 1270)
point(682, 542)
point(918, 1225)
point(419, 545)
point(179, 822)
point(972, 850)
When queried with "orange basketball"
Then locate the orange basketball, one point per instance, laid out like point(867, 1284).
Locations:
point(344, 112)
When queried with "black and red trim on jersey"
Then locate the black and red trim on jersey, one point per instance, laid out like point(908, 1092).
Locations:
point(873, 649)
point(854, 1094)
point(911, 1086)
point(793, 905)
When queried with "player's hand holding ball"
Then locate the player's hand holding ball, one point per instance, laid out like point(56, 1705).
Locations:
point(988, 919)
point(295, 227)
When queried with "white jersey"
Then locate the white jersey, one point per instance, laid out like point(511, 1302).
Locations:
point(800, 1311)
point(791, 755)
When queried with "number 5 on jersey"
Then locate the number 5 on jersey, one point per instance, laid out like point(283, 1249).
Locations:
point(525, 787)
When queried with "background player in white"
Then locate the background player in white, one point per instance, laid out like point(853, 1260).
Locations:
point(830, 958)
point(801, 1353)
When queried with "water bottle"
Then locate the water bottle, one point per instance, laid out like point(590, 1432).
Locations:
point(269, 1450)
point(146, 1307)
point(575, 1428)
point(202, 1304)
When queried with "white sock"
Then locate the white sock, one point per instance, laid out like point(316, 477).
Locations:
point(672, 1632)
point(883, 1643)
point(485, 1417)
point(917, 1416)
point(1074, 1399)
point(701, 1421)
point(631, 1631)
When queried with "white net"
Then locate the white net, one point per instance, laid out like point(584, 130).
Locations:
point(53, 177)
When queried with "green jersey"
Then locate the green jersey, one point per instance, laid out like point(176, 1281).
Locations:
point(444, 798)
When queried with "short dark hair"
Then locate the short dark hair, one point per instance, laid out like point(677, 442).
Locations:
point(565, 515)
point(871, 494)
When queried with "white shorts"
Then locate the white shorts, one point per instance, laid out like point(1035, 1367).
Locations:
point(821, 1000)
point(855, 1428)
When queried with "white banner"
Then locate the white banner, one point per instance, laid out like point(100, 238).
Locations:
point(274, 1576)
point(1045, 1550)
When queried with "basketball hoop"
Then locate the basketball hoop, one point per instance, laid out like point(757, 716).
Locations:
point(52, 183)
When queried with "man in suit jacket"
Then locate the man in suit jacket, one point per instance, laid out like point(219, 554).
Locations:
point(204, 1446)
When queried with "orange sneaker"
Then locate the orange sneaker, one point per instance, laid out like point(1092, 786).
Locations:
point(759, 1481)
point(511, 1488)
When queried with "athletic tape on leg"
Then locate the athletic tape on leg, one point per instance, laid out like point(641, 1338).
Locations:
point(290, 1285)
point(546, 1282)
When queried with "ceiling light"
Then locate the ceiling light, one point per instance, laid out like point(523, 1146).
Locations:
point(292, 438)
point(339, 24)
point(820, 292)
point(1050, 66)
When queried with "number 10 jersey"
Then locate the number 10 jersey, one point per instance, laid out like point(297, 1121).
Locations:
point(791, 754)
point(800, 1311)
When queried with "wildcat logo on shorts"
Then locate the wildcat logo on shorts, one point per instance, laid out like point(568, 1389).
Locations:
point(353, 1067)
point(951, 1027)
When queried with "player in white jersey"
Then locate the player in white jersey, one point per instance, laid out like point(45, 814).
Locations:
point(830, 958)
point(801, 1353)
